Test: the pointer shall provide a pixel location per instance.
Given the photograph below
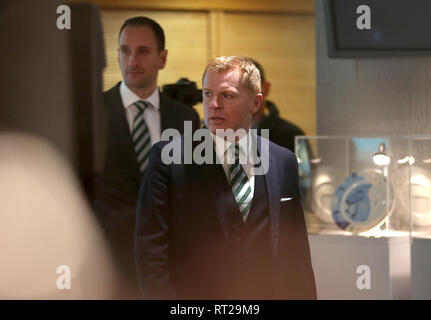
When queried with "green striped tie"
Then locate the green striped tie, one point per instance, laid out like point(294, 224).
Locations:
point(240, 185)
point(141, 136)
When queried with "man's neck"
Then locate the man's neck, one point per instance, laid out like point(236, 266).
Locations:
point(143, 93)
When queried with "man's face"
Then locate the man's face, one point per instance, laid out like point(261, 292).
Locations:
point(139, 57)
point(228, 104)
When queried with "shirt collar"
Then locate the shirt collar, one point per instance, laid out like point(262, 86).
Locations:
point(222, 145)
point(128, 97)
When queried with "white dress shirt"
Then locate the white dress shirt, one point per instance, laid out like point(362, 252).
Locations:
point(227, 158)
point(151, 115)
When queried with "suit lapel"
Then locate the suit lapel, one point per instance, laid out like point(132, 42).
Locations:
point(214, 177)
point(273, 193)
point(167, 119)
point(273, 189)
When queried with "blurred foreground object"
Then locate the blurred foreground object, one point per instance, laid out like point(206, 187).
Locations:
point(51, 80)
point(52, 132)
point(46, 222)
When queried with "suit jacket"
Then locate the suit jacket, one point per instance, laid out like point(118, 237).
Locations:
point(182, 241)
point(117, 188)
point(282, 131)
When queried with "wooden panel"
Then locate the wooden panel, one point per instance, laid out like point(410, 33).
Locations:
point(285, 6)
point(186, 40)
point(284, 45)
point(215, 33)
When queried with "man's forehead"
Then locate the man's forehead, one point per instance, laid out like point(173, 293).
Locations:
point(137, 33)
point(136, 28)
point(134, 45)
point(222, 86)
point(231, 77)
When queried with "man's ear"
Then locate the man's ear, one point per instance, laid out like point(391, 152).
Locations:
point(266, 87)
point(257, 103)
point(163, 58)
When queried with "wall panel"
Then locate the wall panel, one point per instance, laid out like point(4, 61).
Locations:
point(277, 6)
point(284, 45)
point(374, 96)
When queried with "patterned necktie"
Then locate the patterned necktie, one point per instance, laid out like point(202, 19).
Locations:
point(141, 136)
point(240, 185)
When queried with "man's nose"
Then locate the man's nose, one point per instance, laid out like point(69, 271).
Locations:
point(214, 103)
point(133, 61)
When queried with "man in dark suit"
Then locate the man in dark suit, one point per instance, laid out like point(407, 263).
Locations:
point(282, 131)
point(137, 113)
point(229, 228)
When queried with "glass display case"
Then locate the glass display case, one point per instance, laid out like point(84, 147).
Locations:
point(367, 202)
point(420, 216)
point(367, 186)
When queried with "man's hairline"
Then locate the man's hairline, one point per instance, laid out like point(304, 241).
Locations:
point(230, 69)
point(142, 26)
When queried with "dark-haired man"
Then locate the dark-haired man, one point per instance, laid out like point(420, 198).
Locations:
point(281, 131)
point(137, 113)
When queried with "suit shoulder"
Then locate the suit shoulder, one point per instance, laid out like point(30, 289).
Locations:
point(112, 96)
point(276, 148)
point(176, 144)
point(112, 91)
point(179, 139)
point(281, 153)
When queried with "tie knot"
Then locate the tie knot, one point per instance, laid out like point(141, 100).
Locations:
point(141, 105)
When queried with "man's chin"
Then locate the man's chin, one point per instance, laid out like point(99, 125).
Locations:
point(132, 82)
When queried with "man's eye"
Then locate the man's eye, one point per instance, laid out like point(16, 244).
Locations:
point(125, 50)
point(228, 95)
point(207, 94)
point(144, 51)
